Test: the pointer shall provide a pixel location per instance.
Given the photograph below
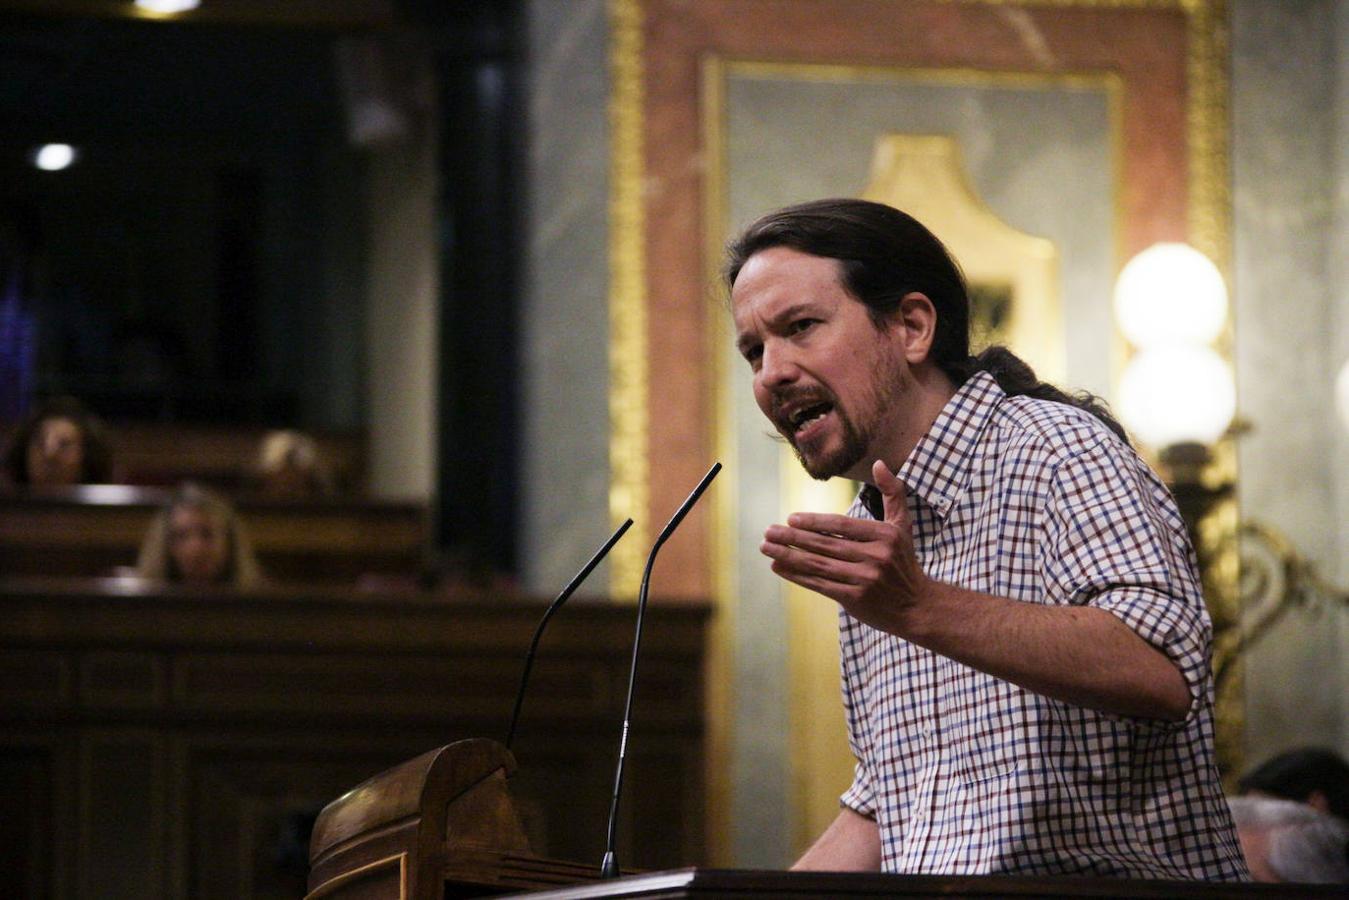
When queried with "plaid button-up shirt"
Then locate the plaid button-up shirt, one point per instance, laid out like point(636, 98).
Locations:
point(966, 773)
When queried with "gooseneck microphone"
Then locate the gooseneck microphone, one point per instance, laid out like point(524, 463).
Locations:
point(609, 867)
point(548, 614)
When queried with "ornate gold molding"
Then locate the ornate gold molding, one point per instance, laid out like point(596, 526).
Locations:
point(1210, 231)
point(628, 476)
point(1210, 225)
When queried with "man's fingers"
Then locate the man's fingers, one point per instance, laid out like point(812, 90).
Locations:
point(836, 525)
point(894, 495)
point(824, 544)
point(823, 586)
point(797, 561)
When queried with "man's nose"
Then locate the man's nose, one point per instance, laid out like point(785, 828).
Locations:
point(778, 365)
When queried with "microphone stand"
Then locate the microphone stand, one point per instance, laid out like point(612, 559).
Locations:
point(609, 866)
point(552, 608)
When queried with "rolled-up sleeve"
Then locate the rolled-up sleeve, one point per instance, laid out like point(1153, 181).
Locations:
point(1114, 540)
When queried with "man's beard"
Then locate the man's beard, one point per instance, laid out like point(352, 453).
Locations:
point(855, 444)
point(884, 392)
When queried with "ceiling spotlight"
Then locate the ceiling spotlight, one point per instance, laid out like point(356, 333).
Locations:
point(54, 157)
point(167, 7)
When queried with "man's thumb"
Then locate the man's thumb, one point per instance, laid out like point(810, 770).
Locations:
point(894, 496)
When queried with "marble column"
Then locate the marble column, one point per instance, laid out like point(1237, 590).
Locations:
point(565, 346)
point(1283, 153)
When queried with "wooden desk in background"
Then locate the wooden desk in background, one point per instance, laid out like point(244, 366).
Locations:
point(93, 529)
point(161, 743)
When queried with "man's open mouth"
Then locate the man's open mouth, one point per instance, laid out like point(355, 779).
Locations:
point(804, 417)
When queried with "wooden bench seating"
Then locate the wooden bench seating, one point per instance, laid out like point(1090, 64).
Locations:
point(92, 530)
point(163, 454)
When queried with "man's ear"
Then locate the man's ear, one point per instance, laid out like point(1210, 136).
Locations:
point(916, 322)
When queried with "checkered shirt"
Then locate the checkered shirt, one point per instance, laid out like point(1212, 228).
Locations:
point(968, 774)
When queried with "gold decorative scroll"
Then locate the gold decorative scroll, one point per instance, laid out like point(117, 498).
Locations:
point(1013, 275)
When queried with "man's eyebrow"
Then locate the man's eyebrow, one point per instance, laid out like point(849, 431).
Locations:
point(785, 314)
point(780, 317)
point(792, 311)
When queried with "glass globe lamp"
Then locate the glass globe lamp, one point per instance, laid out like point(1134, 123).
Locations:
point(1170, 294)
point(1177, 395)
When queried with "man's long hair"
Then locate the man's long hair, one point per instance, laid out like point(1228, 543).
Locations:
point(884, 254)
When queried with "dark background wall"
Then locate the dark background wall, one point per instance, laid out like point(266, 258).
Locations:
point(204, 259)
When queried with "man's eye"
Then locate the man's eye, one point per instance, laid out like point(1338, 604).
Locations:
point(801, 325)
point(752, 354)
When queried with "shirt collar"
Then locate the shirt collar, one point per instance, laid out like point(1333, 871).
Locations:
point(937, 471)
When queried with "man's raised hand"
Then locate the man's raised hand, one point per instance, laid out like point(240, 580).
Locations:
point(868, 567)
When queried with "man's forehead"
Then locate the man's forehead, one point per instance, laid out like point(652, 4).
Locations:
point(783, 261)
point(782, 294)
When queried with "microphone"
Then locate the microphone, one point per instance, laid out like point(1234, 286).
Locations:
point(609, 867)
point(548, 614)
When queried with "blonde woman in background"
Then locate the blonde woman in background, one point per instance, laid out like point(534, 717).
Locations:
point(198, 539)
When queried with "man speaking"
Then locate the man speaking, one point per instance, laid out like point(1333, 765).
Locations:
point(1025, 647)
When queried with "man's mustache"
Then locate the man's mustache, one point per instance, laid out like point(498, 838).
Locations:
point(795, 397)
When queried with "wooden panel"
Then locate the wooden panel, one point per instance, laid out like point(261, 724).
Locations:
point(121, 814)
point(38, 812)
point(352, 686)
point(122, 680)
point(183, 741)
point(27, 775)
point(30, 678)
point(250, 809)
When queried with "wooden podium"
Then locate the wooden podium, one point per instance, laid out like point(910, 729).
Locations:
point(440, 825)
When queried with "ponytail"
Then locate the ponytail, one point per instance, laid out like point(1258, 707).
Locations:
point(1017, 379)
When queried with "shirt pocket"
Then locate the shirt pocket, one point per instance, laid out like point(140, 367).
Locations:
point(986, 728)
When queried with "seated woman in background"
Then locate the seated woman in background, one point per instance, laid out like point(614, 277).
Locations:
point(289, 467)
point(198, 539)
point(58, 443)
